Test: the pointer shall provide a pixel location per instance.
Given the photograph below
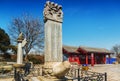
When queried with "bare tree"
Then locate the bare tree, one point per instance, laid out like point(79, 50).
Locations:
point(116, 49)
point(33, 31)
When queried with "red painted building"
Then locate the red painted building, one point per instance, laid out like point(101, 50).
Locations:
point(85, 55)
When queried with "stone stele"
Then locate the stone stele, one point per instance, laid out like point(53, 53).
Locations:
point(53, 32)
point(54, 67)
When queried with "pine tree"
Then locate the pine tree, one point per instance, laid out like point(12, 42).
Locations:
point(4, 41)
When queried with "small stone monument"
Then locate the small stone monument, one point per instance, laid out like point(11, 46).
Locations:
point(54, 67)
point(21, 43)
point(19, 50)
point(18, 67)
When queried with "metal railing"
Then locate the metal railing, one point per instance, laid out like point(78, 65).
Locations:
point(80, 75)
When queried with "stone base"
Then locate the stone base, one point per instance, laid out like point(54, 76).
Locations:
point(56, 69)
point(42, 78)
point(18, 65)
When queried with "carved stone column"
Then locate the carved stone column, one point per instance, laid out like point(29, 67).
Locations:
point(54, 66)
point(53, 32)
point(19, 50)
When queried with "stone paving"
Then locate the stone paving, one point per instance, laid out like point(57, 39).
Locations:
point(112, 70)
point(8, 79)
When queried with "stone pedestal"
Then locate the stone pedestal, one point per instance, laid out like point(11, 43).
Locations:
point(18, 65)
point(56, 69)
point(18, 69)
point(42, 78)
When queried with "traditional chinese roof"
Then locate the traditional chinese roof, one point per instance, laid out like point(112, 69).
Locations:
point(70, 48)
point(83, 49)
point(95, 50)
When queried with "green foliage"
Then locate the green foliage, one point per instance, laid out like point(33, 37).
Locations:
point(4, 41)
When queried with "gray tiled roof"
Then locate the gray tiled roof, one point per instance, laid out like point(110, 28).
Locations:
point(87, 49)
point(91, 49)
point(70, 48)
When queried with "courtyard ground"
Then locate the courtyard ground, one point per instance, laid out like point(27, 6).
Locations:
point(112, 70)
point(8, 79)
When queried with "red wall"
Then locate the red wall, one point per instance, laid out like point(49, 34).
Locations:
point(100, 59)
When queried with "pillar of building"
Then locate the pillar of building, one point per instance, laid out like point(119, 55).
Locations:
point(92, 59)
point(95, 60)
point(109, 58)
point(104, 59)
point(79, 59)
point(86, 58)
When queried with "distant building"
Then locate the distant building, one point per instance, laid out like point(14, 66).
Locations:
point(85, 55)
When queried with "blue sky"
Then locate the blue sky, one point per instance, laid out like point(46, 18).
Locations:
point(93, 23)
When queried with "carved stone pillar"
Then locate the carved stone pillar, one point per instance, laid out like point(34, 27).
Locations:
point(54, 66)
point(19, 50)
point(53, 32)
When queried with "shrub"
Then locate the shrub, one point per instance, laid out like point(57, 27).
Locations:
point(14, 58)
point(36, 59)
